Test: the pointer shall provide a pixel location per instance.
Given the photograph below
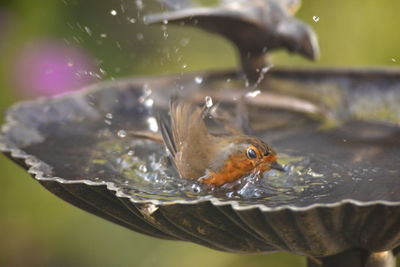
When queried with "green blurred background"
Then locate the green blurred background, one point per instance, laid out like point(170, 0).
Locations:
point(38, 229)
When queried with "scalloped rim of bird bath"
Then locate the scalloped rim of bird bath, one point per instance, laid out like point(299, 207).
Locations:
point(35, 166)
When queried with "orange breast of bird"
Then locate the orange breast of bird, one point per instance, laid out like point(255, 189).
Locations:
point(234, 168)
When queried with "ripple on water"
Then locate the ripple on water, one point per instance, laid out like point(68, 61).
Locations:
point(141, 168)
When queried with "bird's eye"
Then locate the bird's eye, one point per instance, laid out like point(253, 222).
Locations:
point(266, 153)
point(251, 153)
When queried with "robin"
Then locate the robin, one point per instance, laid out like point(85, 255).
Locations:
point(213, 159)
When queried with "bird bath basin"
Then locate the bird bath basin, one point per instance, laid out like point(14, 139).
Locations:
point(336, 130)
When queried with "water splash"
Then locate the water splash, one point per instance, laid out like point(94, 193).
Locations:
point(143, 166)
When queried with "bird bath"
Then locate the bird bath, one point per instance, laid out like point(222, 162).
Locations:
point(336, 130)
point(338, 203)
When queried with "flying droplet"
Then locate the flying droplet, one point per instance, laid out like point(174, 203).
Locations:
point(198, 79)
point(393, 59)
point(253, 93)
point(140, 36)
point(152, 122)
point(142, 168)
point(88, 30)
point(139, 4)
point(109, 116)
point(103, 35)
point(149, 102)
point(121, 133)
point(184, 41)
point(315, 18)
point(113, 12)
point(209, 101)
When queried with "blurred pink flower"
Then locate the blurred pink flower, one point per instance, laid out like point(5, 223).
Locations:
point(51, 67)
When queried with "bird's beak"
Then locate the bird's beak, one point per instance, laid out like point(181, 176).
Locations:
point(276, 166)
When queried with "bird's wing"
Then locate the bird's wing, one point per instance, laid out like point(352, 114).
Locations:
point(167, 136)
point(183, 135)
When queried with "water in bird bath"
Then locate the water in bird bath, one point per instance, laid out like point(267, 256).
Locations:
point(138, 165)
point(358, 160)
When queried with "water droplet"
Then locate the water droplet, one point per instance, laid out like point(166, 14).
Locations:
point(184, 41)
point(153, 125)
point(70, 63)
point(140, 36)
point(103, 35)
point(198, 79)
point(253, 93)
point(113, 12)
point(315, 18)
point(266, 69)
point(149, 102)
point(184, 66)
point(132, 20)
point(209, 101)
point(121, 133)
point(146, 90)
point(142, 168)
point(131, 153)
point(139, 4)
point(87, 29)
point(109, 116)
point(165, 21)
point(393, 59)
point(196, 188)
